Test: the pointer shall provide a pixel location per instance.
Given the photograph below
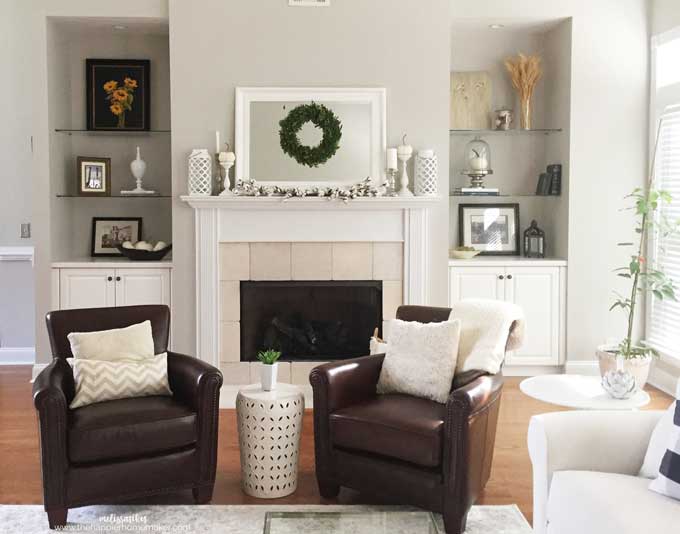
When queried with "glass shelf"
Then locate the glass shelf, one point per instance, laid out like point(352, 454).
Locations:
point(92, 197)
point(544, 131)
point(111, 132)
point(504, 195)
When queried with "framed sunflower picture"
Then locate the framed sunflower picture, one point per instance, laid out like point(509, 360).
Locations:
point(118, 94)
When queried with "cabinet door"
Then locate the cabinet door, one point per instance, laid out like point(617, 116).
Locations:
point(537, 291)
point(476, 283)
point(142, 286)
point(86, 288)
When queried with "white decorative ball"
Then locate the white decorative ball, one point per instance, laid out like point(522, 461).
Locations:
point(160, 246)
point(143, 245)
point(128, 244)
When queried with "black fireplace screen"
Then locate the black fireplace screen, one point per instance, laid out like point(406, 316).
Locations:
point(329, 320)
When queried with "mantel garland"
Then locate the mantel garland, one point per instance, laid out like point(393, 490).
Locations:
point(363, 189)
point(321, 117)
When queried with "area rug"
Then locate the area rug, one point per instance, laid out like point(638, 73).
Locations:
point(219, 519)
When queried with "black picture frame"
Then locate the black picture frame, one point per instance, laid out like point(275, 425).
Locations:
point(86, 165)
point(107, 249)
point(511, 248)
point(100, 101)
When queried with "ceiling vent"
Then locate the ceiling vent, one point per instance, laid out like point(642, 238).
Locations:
point(309, 3)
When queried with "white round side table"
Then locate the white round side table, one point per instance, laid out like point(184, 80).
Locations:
point(269, 431)
point(578, 391)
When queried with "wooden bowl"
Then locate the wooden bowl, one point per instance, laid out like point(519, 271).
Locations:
point(144, 255)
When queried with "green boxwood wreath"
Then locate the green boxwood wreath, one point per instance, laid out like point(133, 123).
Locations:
point(321, 117)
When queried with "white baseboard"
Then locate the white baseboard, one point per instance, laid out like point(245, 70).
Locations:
point(532, 370)
point(17, 355)
point(585, 367)
point(665, 381)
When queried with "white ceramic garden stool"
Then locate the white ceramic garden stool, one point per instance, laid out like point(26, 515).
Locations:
point(269, 431)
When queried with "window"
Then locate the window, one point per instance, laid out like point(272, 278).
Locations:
point(663, 331)
point(668, 63)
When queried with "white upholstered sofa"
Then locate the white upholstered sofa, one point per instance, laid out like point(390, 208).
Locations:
point(585, 466)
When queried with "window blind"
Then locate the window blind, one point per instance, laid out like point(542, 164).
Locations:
point(663, 329)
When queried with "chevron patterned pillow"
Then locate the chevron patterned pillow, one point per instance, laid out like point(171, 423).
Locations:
point(99, 381)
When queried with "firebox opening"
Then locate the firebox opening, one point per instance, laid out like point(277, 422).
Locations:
point(309, 320)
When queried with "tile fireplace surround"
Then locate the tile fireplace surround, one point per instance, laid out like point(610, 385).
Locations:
point(245, 238)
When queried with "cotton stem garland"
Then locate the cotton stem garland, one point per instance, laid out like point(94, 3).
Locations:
point(364, 189)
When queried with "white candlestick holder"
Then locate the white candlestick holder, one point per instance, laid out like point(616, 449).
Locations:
point(404, 190)
point(226, 182)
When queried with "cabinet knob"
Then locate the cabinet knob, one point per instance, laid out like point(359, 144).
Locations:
point(509, 277)
point(118, 278)
point(109, 278)
point(500, 277)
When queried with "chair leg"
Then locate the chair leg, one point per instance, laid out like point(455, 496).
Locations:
point(455, 524)
point(328, 489)
point(203, 494)
point(56, 517)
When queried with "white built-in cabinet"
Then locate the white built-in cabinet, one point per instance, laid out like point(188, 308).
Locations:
point(537, 286)
point(108, 286)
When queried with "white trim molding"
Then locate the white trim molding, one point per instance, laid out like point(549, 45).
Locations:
point(16, 254)
point(239, 220)
point(17, 355)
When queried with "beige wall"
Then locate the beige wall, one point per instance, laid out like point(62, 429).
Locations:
point(353, 43)
point(608, 157)
point(665, 15)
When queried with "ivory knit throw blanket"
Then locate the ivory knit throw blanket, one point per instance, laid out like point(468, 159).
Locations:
point(488, 329)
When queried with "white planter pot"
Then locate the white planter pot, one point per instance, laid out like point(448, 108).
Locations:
point(638, 367)
point(268, 375)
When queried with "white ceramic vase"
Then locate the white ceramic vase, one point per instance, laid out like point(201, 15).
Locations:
point(138, 167)
point(268, 374)
point(638, 367)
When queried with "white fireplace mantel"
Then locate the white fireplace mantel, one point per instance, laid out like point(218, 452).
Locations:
point(224, 219)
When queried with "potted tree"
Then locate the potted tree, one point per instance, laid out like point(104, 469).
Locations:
point(269, 368)
point(632, 355)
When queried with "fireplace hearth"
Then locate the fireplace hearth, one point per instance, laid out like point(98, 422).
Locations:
point(309, 320)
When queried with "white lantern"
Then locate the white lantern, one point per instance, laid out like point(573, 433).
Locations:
point(200, 173)
point(427, 173)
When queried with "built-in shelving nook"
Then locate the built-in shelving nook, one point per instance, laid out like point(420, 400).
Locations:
point(70, 42)
point(518, 156)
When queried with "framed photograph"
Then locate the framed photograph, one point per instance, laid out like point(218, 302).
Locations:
point(109, 232)
point(118, 94)
point(491, 228)
point(94, 176)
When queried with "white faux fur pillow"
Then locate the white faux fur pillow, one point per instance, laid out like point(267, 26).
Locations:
point(420, 359)
point(134, 342)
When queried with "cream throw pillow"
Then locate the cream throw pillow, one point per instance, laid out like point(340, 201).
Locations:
point(420, 359)
point(134, 342)
point(99, 381)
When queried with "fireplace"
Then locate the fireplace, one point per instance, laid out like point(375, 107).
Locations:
point(309, 320)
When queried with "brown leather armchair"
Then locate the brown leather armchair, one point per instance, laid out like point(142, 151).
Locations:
point(127, 448)
point(402, 448)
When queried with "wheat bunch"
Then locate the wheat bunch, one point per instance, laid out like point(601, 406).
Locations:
point(525, 71)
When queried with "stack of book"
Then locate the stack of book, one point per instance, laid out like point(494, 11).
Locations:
point(550, 182)
point(477, 191)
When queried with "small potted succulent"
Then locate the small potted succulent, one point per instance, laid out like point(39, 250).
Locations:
point(269, 368)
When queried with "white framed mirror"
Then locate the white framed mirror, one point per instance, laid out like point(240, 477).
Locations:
point(294, 154)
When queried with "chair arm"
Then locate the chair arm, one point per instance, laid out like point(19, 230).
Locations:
point(607, 441)
point(197, 384)
point(340, 384)
point(53, 389)
point(189, 378)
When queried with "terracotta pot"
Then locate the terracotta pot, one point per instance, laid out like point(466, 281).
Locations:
point(638, 367)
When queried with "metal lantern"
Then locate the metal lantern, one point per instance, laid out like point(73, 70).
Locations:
point(200, 173)
point(427, 173)
point(534, 241)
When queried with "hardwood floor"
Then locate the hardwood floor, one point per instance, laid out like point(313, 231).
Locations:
point(20, 481)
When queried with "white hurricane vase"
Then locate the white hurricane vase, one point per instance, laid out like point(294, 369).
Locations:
point(268, 374)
